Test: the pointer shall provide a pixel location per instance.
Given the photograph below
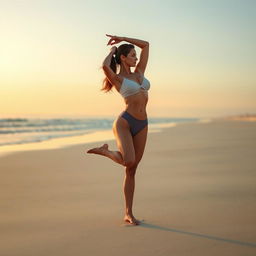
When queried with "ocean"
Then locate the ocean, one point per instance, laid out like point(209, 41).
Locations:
point(31, 130)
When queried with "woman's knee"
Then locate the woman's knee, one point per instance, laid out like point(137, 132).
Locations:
point(129, 159)
point(129, 163)
point(132, 163)
point(131, 171)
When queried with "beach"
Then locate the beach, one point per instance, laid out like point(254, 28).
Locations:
point(195, 194)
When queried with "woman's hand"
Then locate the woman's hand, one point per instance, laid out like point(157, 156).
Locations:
point(114, 39)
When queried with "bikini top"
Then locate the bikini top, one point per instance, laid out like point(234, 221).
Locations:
point(130, 87)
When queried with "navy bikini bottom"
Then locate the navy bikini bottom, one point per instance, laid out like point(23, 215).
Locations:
point(136, 125)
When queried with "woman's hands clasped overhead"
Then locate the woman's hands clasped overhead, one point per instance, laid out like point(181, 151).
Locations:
point(114, 39)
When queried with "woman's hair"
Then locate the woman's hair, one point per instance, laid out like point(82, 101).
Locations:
point(123, 49)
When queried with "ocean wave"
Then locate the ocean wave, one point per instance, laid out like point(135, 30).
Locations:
point(23, 130)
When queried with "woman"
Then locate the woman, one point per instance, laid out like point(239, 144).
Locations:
point(131, 126)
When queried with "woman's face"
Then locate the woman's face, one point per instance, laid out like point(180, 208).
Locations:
point(131, 58)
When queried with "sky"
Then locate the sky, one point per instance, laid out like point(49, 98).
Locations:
point(202, 58)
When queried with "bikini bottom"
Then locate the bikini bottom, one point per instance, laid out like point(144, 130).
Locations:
point(136, 125)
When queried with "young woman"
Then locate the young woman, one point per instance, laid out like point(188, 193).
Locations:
point(131, 126)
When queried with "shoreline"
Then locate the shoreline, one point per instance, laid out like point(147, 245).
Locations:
point(103, 135)
point(63, 142)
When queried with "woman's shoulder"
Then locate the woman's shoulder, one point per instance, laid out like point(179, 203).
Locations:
point(139, 73)
point(134, 76)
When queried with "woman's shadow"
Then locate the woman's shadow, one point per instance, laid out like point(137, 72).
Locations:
point(144, 224)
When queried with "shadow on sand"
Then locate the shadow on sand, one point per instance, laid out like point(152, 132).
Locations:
point(148, 225)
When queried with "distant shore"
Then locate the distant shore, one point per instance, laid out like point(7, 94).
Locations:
point(243, 117)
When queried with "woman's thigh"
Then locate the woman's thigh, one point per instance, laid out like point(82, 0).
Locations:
point(124, 140)
point(139, 142)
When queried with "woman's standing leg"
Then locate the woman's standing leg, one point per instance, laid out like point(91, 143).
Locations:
point(139, 142)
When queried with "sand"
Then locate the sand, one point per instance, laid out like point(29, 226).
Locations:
point(195, 192)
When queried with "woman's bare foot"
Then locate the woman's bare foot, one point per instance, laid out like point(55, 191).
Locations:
point(100, 150)
point(131, 220)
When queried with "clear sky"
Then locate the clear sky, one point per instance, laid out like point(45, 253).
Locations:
point(202, 59)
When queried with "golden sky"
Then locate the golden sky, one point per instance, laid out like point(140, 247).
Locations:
point(202, 56)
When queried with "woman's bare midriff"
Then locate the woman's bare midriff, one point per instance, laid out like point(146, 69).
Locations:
point(136, 104)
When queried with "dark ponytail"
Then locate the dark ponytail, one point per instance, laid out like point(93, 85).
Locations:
point(123, 49)
point(107, 86)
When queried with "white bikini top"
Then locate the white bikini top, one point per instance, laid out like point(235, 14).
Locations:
point(130, 87)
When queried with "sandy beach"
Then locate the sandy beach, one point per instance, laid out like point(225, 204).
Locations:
point(195, 192)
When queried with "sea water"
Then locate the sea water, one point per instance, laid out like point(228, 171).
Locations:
point(31, 130)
